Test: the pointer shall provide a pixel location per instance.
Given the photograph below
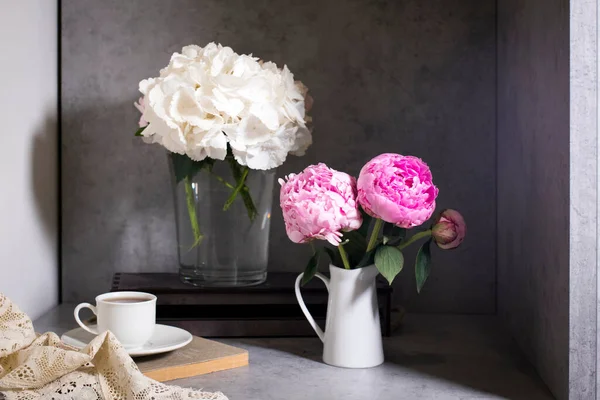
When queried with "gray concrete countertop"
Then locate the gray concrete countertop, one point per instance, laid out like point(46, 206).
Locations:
point(446, 357)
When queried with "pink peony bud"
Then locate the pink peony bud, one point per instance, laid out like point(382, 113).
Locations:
point(141, 106)
point(397, 189)
point(319, 203)
point(449, 229)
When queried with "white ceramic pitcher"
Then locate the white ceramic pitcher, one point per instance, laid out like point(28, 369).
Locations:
point(352, 337)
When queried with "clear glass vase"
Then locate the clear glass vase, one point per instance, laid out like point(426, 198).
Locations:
point(233, 250)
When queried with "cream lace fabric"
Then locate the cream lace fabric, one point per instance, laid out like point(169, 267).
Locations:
point(41, 367)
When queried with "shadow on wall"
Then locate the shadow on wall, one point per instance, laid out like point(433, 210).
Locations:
point(44, 177)
point(116, 200)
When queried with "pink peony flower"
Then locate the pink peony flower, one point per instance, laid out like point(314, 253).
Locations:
point(141, 106)
point(397, 189)
point(449, 229)
point(319, 203)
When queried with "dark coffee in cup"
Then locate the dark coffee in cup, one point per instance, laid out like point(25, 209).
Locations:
point(126, 300)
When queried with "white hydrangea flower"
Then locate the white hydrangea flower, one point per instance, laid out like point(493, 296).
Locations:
point(209, 97)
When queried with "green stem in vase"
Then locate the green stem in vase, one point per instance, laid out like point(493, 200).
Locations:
point(414, 238)
point(244, 191)
point(191, 206)
point(375, 234)
point(223, 181)
point(237, 189)
point(344, 256)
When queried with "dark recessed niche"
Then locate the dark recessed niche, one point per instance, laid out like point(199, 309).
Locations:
point(499, 97)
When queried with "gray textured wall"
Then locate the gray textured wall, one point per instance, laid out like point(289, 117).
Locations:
point(406, 76)
point(547, 180)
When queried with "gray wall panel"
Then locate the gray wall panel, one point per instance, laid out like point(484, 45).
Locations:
point(533, 182)
point(583, 200)
point(412, 77)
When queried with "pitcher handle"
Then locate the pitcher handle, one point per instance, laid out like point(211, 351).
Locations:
point(309, 317)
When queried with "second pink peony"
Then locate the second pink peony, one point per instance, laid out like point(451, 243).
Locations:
point(397, 189)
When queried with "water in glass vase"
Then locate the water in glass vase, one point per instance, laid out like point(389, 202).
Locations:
point(234, 249)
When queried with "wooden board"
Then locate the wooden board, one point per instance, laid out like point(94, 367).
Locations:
point(201, 356)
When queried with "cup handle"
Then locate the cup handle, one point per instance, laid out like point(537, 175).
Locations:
point(81, 324)
point(309, 317)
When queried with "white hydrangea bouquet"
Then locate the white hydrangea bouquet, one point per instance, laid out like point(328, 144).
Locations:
point(211, 104)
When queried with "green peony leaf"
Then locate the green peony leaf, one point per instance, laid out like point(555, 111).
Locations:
point(311, 267)
point(139, 131)
point(389, 261)
point(423, 265)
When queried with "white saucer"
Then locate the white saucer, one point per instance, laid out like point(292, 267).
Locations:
point(165, 338)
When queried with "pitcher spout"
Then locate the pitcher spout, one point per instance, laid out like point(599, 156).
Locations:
point(358, 274)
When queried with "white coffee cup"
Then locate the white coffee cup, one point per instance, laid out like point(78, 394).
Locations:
point(130, 316)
